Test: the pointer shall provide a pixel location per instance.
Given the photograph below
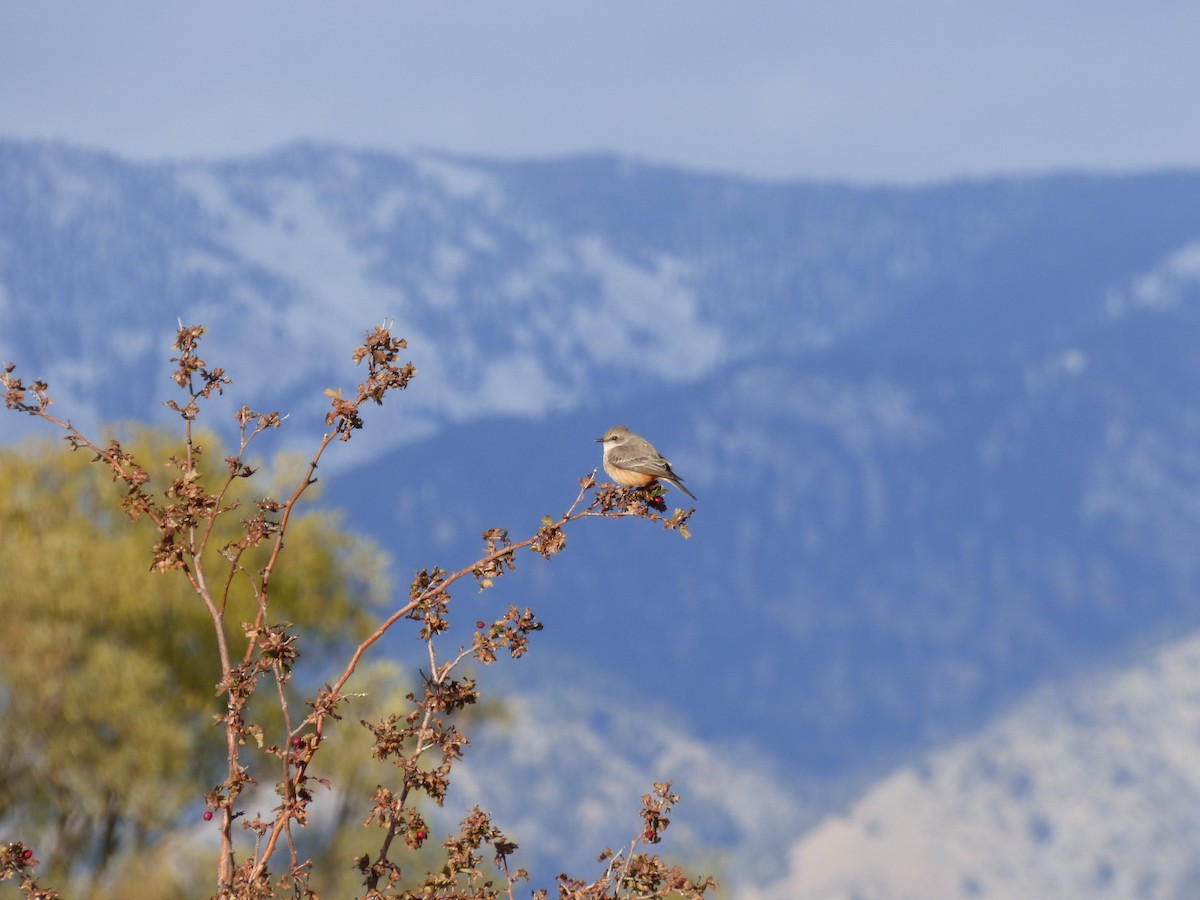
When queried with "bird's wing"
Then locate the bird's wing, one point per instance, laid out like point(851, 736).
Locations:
point(641, 463)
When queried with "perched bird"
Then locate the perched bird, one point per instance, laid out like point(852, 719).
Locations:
point(632, 461)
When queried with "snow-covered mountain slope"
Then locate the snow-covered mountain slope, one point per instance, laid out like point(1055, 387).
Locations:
point(1085, 790)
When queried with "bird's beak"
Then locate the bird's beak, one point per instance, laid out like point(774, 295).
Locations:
point(599, 440)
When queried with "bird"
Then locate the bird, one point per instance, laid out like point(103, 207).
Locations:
point(631, 461)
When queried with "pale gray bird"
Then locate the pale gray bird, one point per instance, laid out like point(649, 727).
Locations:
point(632, 461)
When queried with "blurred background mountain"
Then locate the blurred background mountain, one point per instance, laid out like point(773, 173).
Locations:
point(944, 440)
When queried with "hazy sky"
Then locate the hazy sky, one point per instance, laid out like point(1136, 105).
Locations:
point(868, 90)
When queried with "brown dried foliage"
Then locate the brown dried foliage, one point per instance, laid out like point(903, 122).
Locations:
point(422, 743)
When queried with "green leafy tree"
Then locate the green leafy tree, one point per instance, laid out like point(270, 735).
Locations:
point(109, 667)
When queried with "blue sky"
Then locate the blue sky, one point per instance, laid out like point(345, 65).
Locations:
point(864, 90)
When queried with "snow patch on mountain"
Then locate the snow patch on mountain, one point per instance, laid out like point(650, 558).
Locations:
point(492, 332)
point(577, 761)
point(1087, 789)
point(1162, 287)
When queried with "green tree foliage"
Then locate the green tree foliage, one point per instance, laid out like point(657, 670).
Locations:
point(107, 669)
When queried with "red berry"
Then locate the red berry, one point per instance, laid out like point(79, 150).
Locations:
point(481, 624)
point(297, 741)
point(208, 815)
point(28, 854)
point(420, 835)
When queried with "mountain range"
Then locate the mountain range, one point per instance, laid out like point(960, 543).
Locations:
point(944, 440)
